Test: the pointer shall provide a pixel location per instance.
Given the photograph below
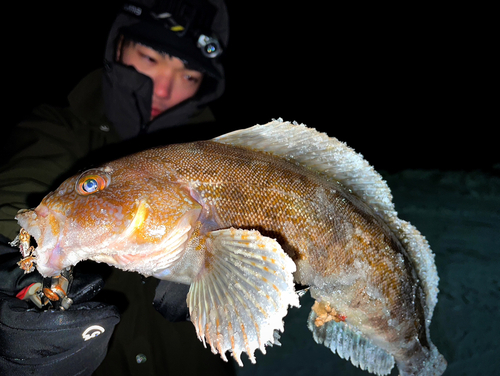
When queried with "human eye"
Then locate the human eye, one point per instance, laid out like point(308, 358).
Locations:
point(193, 77)
point(190, 78)
point(147, 54)
point(147, 57)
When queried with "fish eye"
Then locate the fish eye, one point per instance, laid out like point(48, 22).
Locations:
point(89, 184)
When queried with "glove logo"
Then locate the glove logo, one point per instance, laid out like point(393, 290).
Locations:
point(92, 331)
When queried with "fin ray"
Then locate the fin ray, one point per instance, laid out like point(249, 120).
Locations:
point(241, 296)
point(349, 344)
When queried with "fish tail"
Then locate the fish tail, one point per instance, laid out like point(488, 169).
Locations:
point(330, 329)
point(428, 362)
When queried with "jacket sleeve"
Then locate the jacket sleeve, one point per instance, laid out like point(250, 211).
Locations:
point(37, 154)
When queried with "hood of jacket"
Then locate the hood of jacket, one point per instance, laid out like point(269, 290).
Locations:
point(128, 93)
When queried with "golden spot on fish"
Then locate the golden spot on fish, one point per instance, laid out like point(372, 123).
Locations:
point(207, 333)
point(230, 328)
point(262, 310)
point(258, 332)
point(54, 225)
point(209, 261)
point(245, 339)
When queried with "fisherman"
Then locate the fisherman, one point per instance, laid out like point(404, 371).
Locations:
point(162, 68)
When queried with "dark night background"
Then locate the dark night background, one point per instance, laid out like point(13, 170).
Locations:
point(400, 85)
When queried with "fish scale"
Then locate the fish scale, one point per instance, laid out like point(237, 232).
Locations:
point(281, 188)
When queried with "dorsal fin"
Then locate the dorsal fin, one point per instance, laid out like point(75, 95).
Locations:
point(327, 155)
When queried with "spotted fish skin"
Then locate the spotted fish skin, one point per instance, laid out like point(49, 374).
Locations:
point(340, 246)
point(180, 212)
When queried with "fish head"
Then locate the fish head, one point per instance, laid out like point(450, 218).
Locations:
point(120, 213)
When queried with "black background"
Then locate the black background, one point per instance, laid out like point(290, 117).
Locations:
point(395, 83)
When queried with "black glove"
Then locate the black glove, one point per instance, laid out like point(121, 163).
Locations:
point(52, 342)
point(170, 301)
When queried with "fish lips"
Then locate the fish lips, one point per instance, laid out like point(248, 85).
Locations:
point(40, 224)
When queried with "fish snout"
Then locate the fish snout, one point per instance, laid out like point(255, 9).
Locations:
point(33, 214)
point(43, 225)
point(28, 219)
point(25, 216)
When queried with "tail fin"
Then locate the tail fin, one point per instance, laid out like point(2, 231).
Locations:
point(431, 363)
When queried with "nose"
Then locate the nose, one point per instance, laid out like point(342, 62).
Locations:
point(163, 83)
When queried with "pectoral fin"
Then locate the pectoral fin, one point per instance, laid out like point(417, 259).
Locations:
point(241, 296)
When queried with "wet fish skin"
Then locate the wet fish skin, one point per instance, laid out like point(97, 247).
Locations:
point(281, 199)
point(161, 211)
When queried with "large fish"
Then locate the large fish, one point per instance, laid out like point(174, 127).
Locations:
point(241, 219)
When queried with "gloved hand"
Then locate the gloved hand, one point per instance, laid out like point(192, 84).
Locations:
point(170, 301)
point(52, 342)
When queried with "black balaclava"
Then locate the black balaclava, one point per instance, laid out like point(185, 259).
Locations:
point(187, 29)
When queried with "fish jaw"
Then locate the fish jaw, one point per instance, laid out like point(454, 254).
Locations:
point(44, 227)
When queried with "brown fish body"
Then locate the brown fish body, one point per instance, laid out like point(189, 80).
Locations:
point(343, 250)
point(166, 208)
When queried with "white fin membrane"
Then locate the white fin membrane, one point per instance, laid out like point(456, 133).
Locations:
point(239, 299)
point(334, 159)
point(351, 345)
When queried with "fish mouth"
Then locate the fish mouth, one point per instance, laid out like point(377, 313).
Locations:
point(27, 218)
point(48, 255)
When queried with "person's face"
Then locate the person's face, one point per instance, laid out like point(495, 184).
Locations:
point(172, 81)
